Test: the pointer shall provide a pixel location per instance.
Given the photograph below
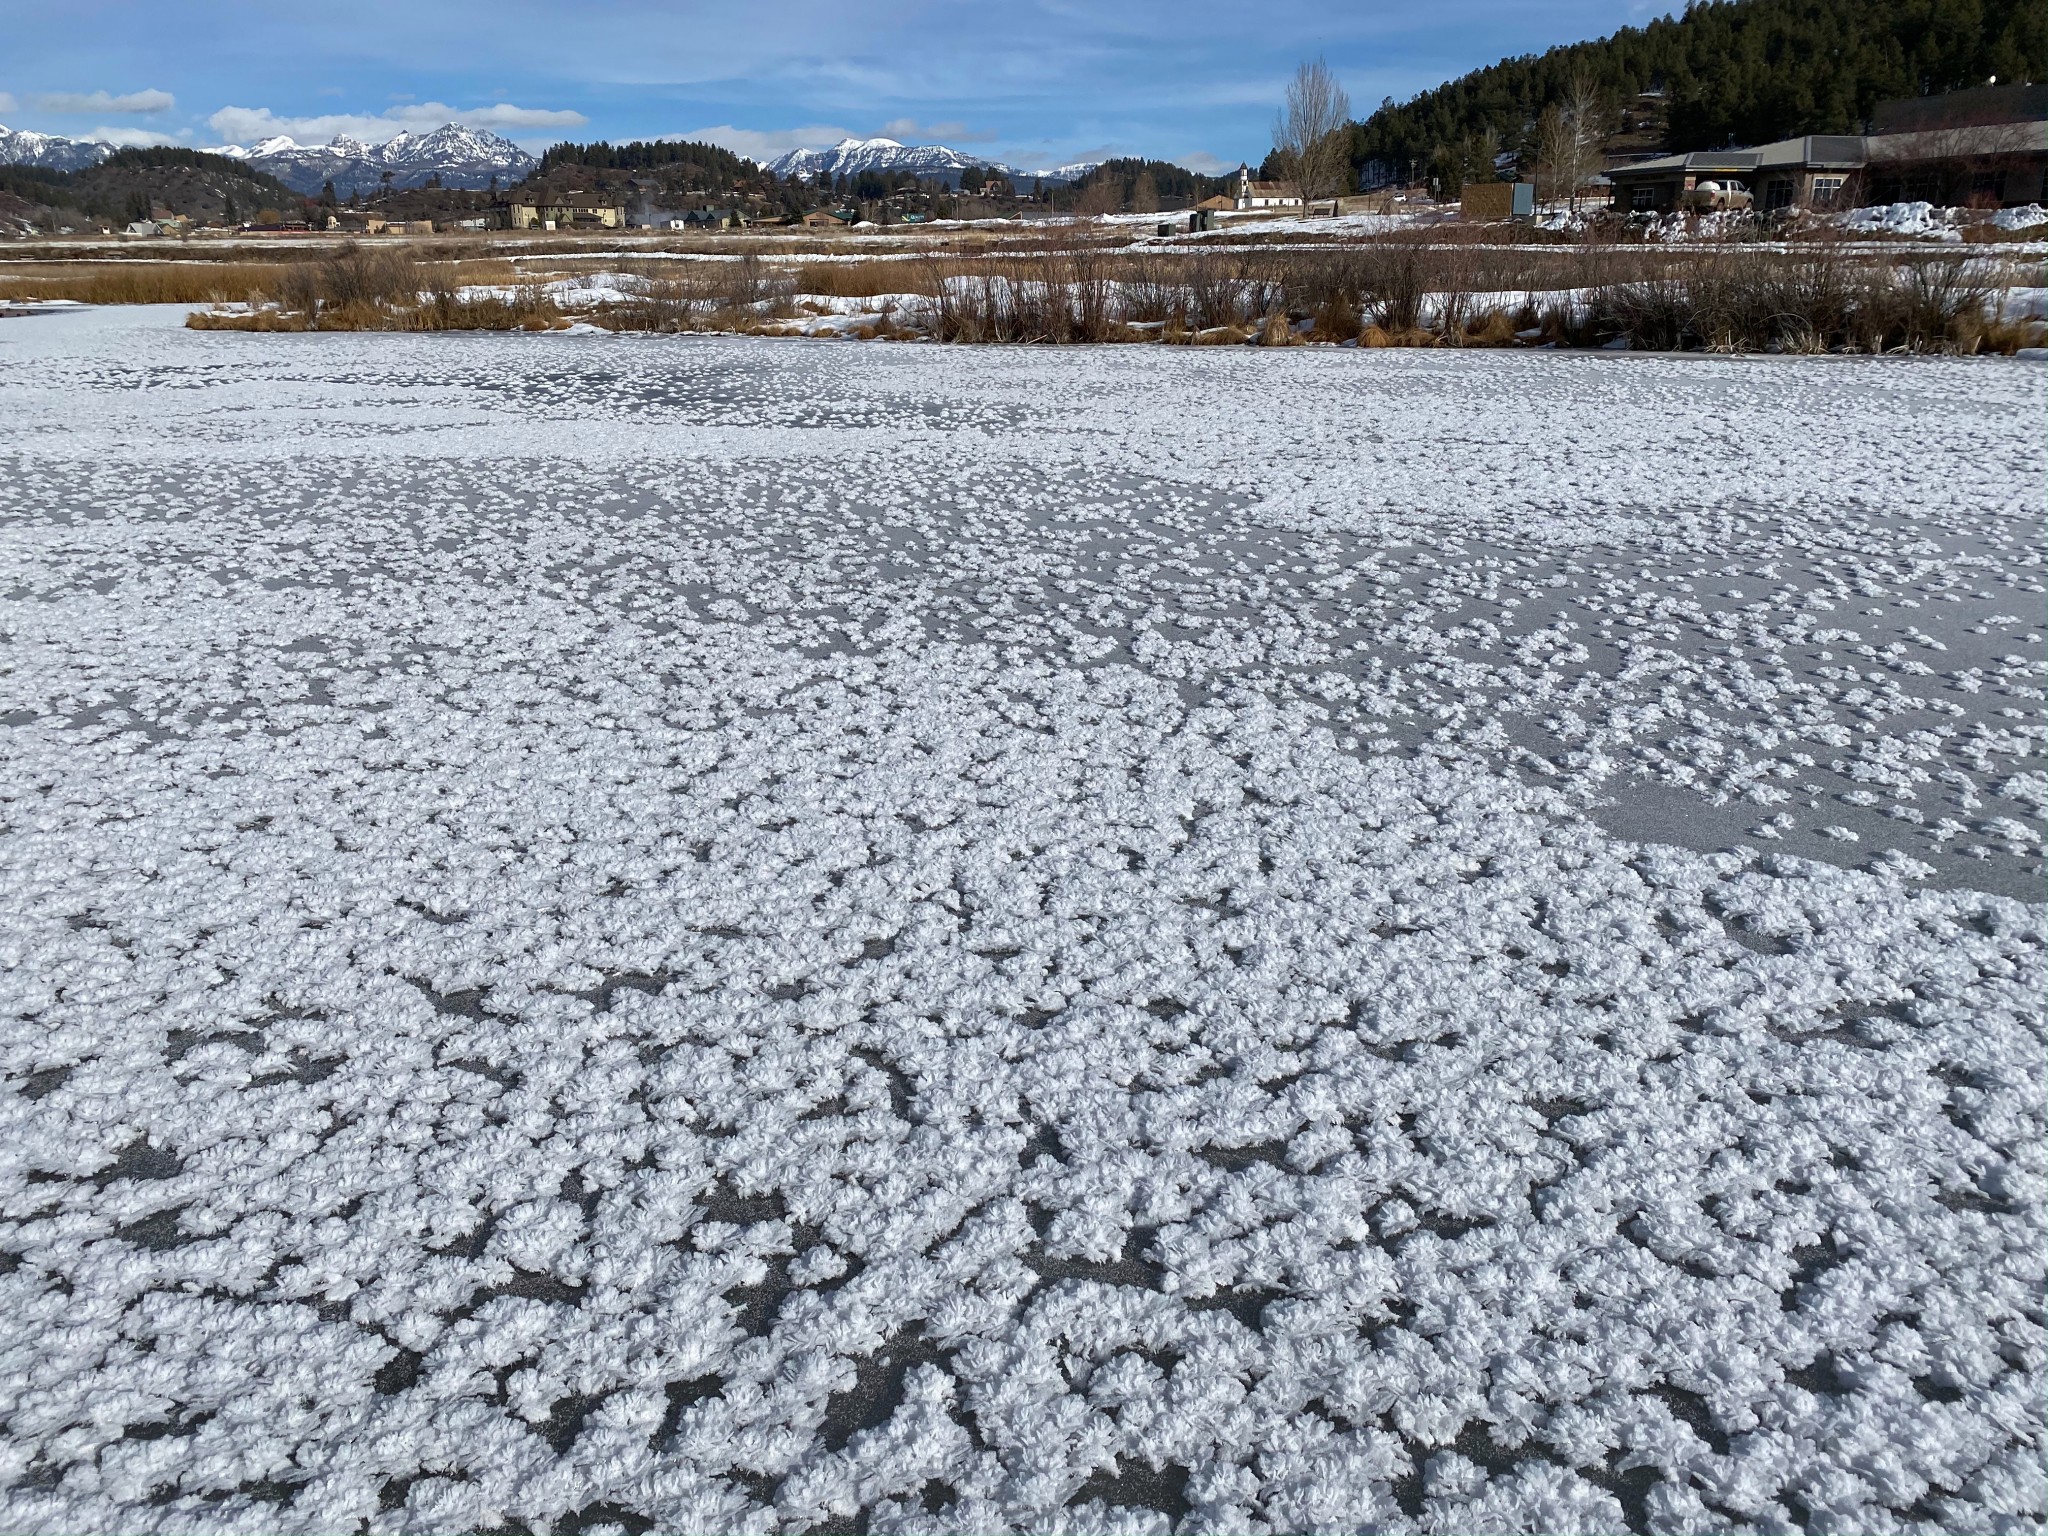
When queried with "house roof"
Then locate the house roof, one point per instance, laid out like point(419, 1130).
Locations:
point(1978, 139)
point(1980, 107)
point(1814, 151)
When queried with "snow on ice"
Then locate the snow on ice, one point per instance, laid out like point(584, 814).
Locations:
point(707, 934)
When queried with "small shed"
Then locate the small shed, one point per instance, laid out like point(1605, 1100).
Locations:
point(1489, 202)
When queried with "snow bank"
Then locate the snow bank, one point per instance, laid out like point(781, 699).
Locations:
point(1903, 219)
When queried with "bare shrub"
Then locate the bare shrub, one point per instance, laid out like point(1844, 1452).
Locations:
point(298, 290)
point(1224, 289)
point(356, 276)
point(1656, 313)
point(1392, 285)
point(1940, 302)
point(1153, 291)
point(749, 289)
point(661, 304)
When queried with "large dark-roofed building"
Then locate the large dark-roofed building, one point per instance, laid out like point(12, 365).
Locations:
point(1793, 173)
point(1985, 147)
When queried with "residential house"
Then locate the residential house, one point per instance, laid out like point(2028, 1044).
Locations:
point(1275, 195)
point(829, 218)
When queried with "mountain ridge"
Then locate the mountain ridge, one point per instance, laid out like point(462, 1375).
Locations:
point(938, 162)
point(49, 151)
point(459, 156)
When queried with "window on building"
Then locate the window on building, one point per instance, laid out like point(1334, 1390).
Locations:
point(1777, 193)
point(1827, 190)
point(1642, 198)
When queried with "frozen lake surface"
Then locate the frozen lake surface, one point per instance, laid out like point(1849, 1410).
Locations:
point(714, 935)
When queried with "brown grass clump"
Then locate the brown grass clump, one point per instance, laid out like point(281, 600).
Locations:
point(1337, 319)
point(380, 289)
point(869, 279)
point(1492, 328)
point(1277, 332)
point(129, 282)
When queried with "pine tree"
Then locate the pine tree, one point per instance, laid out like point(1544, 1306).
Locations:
point(1732, 71)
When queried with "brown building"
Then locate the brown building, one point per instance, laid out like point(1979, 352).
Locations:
point(1986, 147)
point(1810, 172)
point(566, 210)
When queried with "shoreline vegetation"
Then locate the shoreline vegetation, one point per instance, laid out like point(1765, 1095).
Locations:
point(1383, 291)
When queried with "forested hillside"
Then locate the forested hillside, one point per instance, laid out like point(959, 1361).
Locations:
point(1138, 185)
point(702, 165)
point(1732, 71)
point(130, 183)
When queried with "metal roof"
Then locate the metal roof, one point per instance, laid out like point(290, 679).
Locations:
point(1814, 151)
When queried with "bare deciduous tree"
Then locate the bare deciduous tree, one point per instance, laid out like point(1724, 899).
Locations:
point(1100, 196)
point(1145, 194)
point(1311, 135)
point(1553, 151)
point(1569, 136)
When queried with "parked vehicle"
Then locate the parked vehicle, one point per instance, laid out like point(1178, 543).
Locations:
point(1716, 197)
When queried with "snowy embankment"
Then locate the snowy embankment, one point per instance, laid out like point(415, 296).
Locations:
point(624, 933)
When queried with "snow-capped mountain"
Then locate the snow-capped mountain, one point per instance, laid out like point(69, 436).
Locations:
point(49, 151)
point(461, 157)
point(850, 157)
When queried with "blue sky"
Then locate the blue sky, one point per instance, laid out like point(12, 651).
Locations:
point(1033, 82)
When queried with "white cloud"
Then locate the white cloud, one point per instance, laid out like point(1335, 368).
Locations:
point(1202, 163)
point(7, 102)
point(134, 138)
point(102, 101)
point(763, 144)
point(244, 125)
point(910, 131)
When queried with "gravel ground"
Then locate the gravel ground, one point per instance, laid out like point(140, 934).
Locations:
point(697, 934)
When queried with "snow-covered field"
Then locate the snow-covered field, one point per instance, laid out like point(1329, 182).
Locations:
point(703, 934)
